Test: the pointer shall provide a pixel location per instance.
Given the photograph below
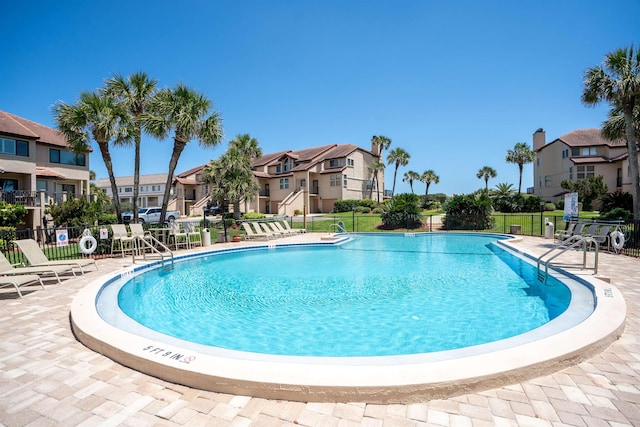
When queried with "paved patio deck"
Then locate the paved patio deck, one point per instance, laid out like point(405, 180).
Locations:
point(49, 378)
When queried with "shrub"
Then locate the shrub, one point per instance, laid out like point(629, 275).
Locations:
point(402, 211)
point(369, 203)
point(377, 211)
point(468, 212)
point(346, 205)
point(560, 204)
point(617, 213)
point(611, 201)
point(549, 207)
point(74, 212)
point(362, 209)
point(297, 212)
point(11, 215)
point(253, 215)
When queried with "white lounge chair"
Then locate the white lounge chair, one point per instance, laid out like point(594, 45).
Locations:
point(120, 240)
point(274, 228)
point(6, 269)
point(193, 234)
point(277, 225)
point(18, 280)
point(265, 229)
point(37, 258)
point(251, 234)
point(286, 226)
point(179, 236)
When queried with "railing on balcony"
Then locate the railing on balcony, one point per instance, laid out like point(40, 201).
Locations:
point(264, 193)
point(20, 197)
point(314, 190)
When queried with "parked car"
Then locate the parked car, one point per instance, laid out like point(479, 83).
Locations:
point(214, 210)
point(150, 215)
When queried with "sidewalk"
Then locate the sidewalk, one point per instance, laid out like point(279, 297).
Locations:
point(47, 378)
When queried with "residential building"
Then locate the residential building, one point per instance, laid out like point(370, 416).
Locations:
point(578, 155)
point(37, 167)
point(150, 193)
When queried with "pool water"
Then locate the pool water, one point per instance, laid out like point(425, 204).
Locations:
point(376, 295)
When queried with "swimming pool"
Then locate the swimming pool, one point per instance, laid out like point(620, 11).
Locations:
point(566, 339)
point(374, 295)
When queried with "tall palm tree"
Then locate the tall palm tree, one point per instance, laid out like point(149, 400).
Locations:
point(381, 141)
point(428, 177)
point(184, 111)
point(247, 146)
point(614, 128)
point(375, 168)
point(134, 93)
point(400, 158)
point(99, 117)
point(617, 81)
point(411, 176)
point(520, 155)
point(485, 173)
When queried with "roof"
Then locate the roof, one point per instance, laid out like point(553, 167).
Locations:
point(592, 159)
point(156, 178)
point(20, 127)
point(40, 171)
point(191, 171)
point(586, 138)
point(185, 181)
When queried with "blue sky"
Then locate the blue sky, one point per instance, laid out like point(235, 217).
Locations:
point(454, 83)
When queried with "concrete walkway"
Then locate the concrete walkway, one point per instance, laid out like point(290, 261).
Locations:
point(48, 378)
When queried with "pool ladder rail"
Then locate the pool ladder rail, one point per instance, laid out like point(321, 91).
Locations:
point(573, 242)
point(339, 226)
point(148, 242)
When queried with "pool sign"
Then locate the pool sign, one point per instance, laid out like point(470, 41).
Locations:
point(104, 233)
point(570, 206)
point(62, 238)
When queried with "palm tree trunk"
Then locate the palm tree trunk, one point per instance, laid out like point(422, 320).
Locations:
point(520, 182)
point(395, 173)
point(108, 163)
point(411, 185)
point(633, 160)
point(136, 172)
point(178, 147)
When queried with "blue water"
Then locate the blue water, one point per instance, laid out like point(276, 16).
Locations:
point(374, 296)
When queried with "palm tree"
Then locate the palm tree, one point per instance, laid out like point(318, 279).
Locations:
point(503, 190)
point(428, 177)
point(375, 168)
point(134, 93)
point(100, 117)
point(614, 128)
point(411, 176)
point(247, 146)
point(520, 155)
point(485, 173)
point(381, 141)
point(184, 111)
point(399, 157)
point(617, 81)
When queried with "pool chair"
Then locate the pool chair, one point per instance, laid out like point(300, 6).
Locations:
point(286, 226)
point(251, 234)
point(591, 230)
point(279, 226)
point(120, 240)
point(602, 236)
point(137, 232)
point(266, 229)
point(193, 234)
point(18, 280)
point(276, 231)
point(563, 234)
point(6, 269)
point(178, 235)
point(37, 258)
point(577, 231)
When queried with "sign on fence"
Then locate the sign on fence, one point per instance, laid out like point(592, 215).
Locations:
point(104, 233)
point(570, 206)
point(62, 238)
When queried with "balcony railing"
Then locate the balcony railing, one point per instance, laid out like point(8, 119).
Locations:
point(264, 193)
point(20, 197)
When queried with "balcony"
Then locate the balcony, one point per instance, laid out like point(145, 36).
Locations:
point(264, 193)
point(20, 197)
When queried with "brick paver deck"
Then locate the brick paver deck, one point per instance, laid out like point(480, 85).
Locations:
point(48, 378)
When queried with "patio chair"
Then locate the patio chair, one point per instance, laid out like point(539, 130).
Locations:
point(265, 229)
point(274, 228)
point(36, 258)
point(178, 235)
point(591, 230)
point(137, 233)
point(251, 234)
point(603, 236)
point(20, 280)
point(193, 234)
point(121, 241)
point(6, 269)
point(563, 234)
point(286, 226)
point(278, 226)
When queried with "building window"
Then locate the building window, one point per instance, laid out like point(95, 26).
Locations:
point(68, 188)
point(350, 162)
point(41, 185)
point(155, 188)
point(128, 189)
point(547, 181)
point(344, 181)
point(7, 185)
point(14, 147)
point(571, 173)
point(336, 163)
point(584, 151)
point(585, 171)
point(336, 180)
point(66, 157)
point(284, 183)
point(287, 165)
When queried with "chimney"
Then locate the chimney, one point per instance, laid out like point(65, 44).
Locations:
point(539, 139)
point(375, 148)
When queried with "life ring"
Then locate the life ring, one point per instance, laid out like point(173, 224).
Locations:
point(93, 244)
point(617, 240)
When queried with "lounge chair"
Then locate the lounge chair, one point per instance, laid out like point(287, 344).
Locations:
point(577, 231)
point(20, 280)
point(287, 227)
point(138, 233)
point(563, 234)
point(6, 269)
point(193, 234)
point(251, 234)
point(121, 241)
point(277, 231)
point(265, 229)
point(591, 230)
point(37, 258)
point(603, 236)
point(277, 225)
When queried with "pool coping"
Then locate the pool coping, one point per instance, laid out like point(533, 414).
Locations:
point(397, 379)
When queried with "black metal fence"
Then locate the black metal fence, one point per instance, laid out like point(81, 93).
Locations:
point(525, 224)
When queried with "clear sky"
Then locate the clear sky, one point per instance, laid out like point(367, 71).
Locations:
point(454, 83)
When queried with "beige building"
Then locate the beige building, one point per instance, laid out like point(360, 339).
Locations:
point(37, 167)
point(293, 180)
point(150, 193)
point(578, 155)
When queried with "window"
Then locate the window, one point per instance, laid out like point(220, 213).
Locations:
point(66, 157)
point(287, 165)
point(547, 181)
point(278, 169)
point(14, 147)
point(155, 188)
point(585, 171)
point(336, 163)
point(144, 189)
point(584, 151)
point(284, 183)
point(336, 180)
point(344, 181)
point(41, 185)
point(128, 189)
point(571, 173)
point(7, 185)
point(350, 162)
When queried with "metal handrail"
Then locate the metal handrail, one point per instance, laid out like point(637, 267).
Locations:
point(148, 245)
point(569, 243)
